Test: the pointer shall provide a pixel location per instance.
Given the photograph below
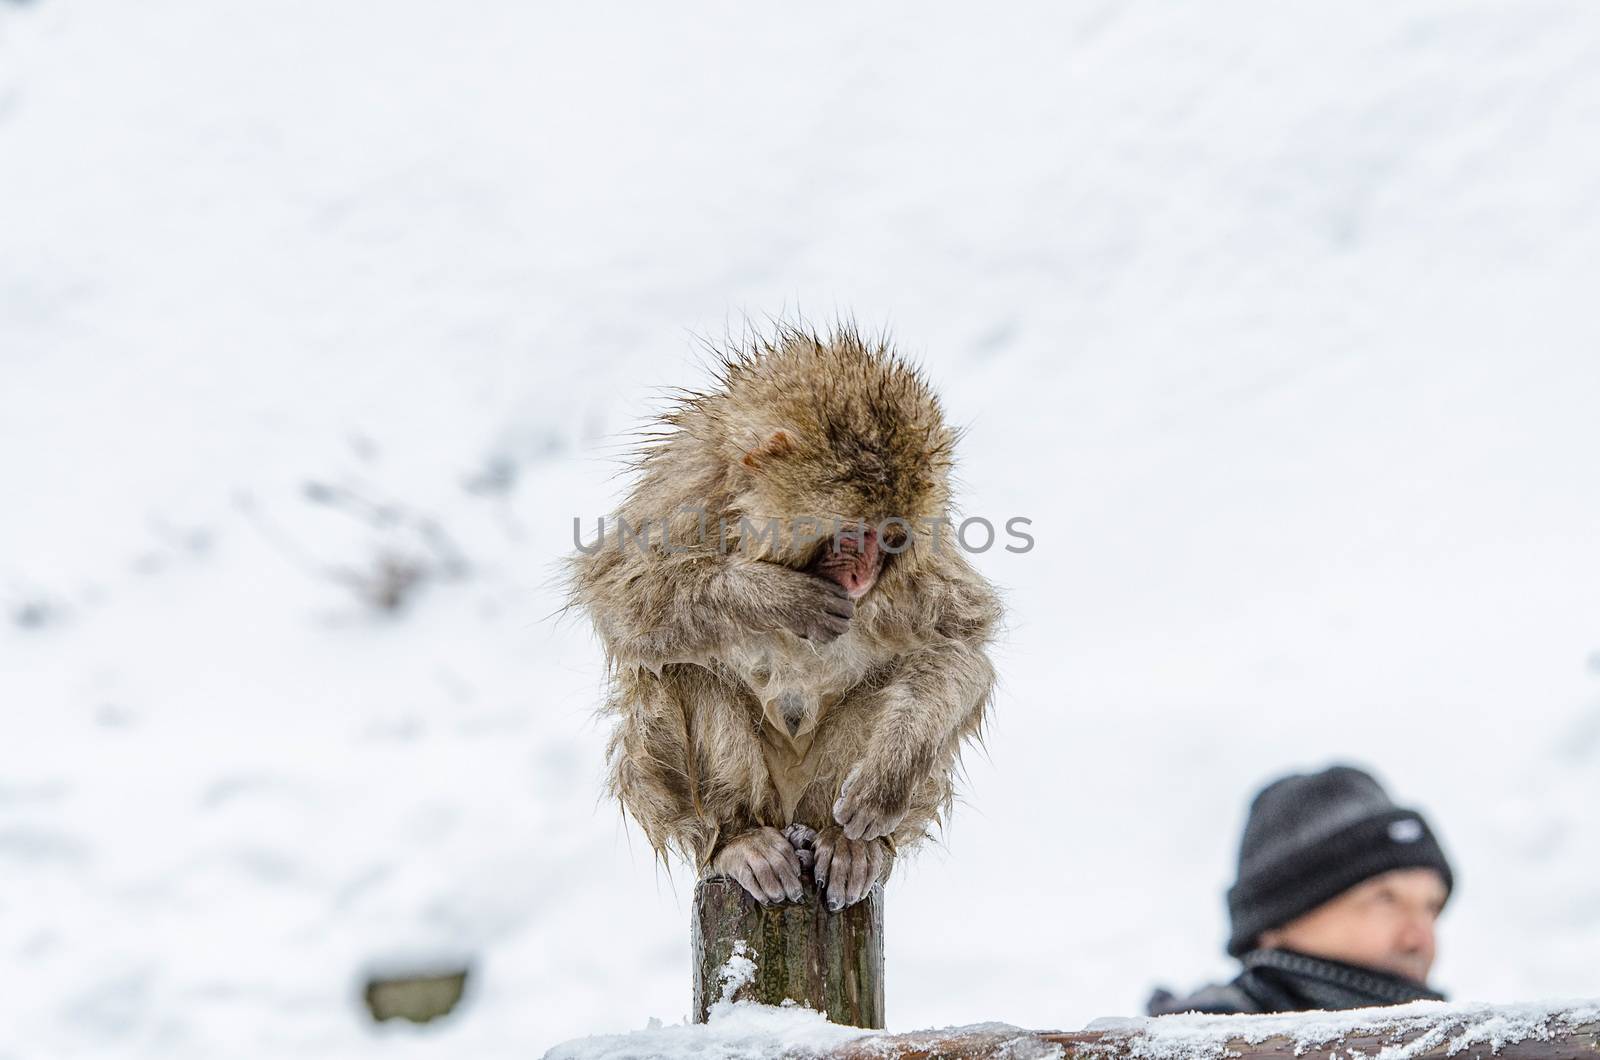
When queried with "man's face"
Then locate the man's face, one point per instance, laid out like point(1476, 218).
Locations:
point(1385, 923)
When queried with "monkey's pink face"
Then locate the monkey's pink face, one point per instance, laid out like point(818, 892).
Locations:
point(854, 560)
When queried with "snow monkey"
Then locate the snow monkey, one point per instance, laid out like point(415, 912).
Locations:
point(795, 644)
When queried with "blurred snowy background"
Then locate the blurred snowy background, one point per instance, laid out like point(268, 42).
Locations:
point(320, 321)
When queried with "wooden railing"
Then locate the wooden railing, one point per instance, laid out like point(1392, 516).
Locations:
point(1410, 1032)
point(832, 963)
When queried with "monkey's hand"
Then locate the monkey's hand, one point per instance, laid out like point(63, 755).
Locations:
point(846, 868)
point(765, 864)
point(803, 839)
point(867, 810)
point(813, 607)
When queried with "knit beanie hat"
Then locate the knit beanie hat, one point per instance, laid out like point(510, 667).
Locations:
point(1313, 836)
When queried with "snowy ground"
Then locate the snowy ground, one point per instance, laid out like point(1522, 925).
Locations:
point(1277, 320)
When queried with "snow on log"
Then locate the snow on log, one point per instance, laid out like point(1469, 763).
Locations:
point(1562, 1031)
point(1552, 1031)
point(831, 963)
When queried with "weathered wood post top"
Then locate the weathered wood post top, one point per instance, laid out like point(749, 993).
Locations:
point(798, 951)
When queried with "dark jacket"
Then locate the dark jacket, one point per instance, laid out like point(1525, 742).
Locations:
point(1285, 981)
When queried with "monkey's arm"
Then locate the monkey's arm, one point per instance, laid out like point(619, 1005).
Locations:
point(938, 696)
point(653, 607)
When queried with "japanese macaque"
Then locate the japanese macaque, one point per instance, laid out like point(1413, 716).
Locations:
point(796, 646)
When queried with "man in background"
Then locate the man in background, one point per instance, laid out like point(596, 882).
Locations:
point(1335, 902)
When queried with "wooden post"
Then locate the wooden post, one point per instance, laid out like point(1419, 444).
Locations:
point(830, 962)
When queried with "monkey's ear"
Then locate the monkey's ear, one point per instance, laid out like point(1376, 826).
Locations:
point(779, 445)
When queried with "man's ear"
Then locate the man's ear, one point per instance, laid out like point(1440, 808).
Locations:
point(775, 447)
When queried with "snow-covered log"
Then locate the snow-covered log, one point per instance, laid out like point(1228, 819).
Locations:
point(800, 952)
point(739, 1030)
point(1424, 1029)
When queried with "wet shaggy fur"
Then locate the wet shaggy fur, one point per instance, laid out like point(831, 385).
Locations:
point(724, 718)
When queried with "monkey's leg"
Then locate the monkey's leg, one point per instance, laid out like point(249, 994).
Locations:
point(765, 864)
point(653, 770)
point(697, 774)
point(685, 761)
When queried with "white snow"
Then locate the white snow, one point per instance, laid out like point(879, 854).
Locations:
point(733, 1029)
point(1403, 1030)
point(739, 1031)
point(736, 972)
point(1277, 321)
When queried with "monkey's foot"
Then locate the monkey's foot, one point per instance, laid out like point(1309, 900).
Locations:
point(765, 864)
point(863, 813)
point(847, 868)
